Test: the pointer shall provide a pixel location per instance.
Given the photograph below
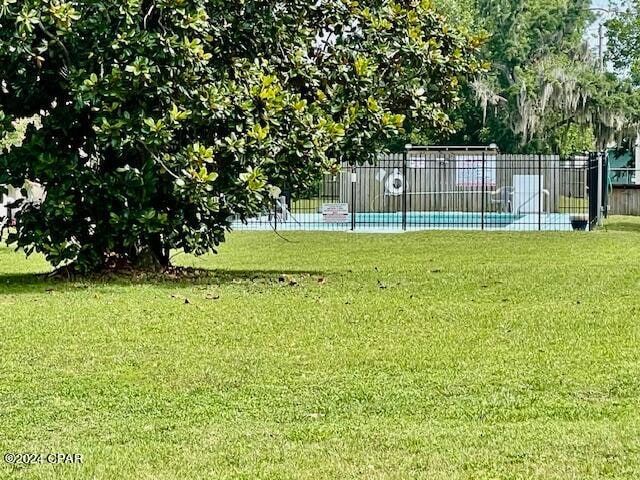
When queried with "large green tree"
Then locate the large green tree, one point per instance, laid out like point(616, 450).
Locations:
point(623, 32)
point(545, 90)
point(536, 50)
point(161, 120)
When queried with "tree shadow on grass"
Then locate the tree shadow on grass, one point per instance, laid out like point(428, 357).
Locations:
point(22, 283)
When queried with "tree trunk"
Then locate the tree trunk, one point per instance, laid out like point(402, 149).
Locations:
point(160, 250)
point(154, 256)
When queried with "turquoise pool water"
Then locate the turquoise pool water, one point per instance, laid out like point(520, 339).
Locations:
point(392, 222)
point(450, 219)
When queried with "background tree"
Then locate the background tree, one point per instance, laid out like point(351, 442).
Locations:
point(545, 91)
point(623, 33)
point(162, 120)
point(531, 41)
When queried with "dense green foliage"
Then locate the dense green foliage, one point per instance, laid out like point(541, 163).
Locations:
point(623, 35)
point(162, 120)
point(545, 90)
point(533, 44)
point(487, 356)
point(623, 32)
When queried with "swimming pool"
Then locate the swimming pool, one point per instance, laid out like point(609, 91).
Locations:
point(415, 221)
point(449, 219)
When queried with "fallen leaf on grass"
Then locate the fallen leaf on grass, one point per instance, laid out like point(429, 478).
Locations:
point(285, 279)
point(179, 297)
point(315, 415)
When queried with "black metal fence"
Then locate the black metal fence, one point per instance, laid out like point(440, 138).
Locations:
point(421, 190)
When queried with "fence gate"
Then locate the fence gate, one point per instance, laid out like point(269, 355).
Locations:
point(597, 187)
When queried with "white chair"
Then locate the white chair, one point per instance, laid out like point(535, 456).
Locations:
point(502, 198)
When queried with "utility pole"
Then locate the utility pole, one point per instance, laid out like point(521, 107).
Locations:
point(601, 68)
point(607, 11)
point(601, 46)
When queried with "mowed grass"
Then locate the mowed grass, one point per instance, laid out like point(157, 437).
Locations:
point(437, 355)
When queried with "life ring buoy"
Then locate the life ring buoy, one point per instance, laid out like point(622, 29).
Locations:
point(395, 184)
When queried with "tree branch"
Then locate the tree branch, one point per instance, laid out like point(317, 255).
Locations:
point(67, 58)
point(159, 160)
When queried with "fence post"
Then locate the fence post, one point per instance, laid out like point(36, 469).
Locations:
point(600, 187)
point(354, 178)
point(637, 156)
point(540, 193)
point(482, 194)
point(592, 195)
point(275, 214)
point(605, 186)
point(404, 191)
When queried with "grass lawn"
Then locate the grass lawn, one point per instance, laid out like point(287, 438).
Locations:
point(453, 355)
